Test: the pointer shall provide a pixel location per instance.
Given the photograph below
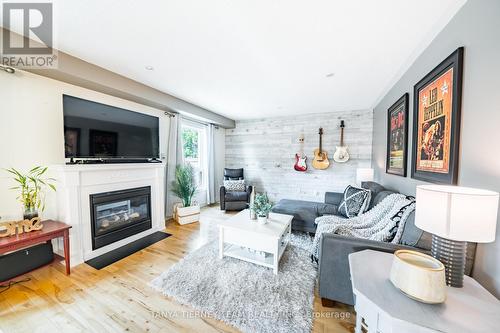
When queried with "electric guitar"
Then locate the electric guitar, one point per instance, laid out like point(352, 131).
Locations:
point(300, 158)
point(341, 155)
point(320, 160)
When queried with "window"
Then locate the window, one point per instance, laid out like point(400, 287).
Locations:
point(194, 149)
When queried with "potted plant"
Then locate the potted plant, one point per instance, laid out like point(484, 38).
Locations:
point(184, 187)
point(261, 206)
point(32, 186)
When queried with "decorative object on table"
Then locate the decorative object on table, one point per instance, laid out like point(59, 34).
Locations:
point(32, 186)
point(436, 123)
point(364, 175)
point(12, 228)
point(235, 185)
point(419, 276)
point(455, 215)
point(300, 158)
point(320, 160)
point(234, 200)
point(261, 206)
point(184, 187)
point(354, 202)
point(253, 216)
point(341, 154)
point(397, 137)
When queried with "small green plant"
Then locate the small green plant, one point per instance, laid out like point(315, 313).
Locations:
point(184, 185)
point(261, 205)
point(32, 187)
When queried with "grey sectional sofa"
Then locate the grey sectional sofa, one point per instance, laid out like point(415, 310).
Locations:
point(333, 276)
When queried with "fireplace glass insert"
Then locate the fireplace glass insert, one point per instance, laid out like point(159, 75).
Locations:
point(119, 214)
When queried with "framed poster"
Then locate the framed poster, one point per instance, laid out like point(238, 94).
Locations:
point(71, 142)
point(103, 143)
point(397, 137)
point(436, 122)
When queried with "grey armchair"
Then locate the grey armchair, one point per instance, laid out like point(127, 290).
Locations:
point(234, 200)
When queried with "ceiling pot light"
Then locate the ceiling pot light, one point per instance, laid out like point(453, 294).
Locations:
point(330, 75)
point(149, 68)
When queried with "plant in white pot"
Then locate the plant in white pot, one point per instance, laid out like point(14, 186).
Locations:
point(261, 206)
point(31, 186)
point(184, 187)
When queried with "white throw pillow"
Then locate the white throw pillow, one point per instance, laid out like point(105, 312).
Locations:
point(234, 185)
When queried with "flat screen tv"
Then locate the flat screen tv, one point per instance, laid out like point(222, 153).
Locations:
point(95, 130)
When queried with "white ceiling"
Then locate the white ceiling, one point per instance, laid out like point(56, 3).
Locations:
point(256, 58)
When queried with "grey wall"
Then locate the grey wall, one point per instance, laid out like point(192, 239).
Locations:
point(266, 149)
point(476, 27)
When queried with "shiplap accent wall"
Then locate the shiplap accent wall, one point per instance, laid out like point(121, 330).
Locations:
point(266, 149)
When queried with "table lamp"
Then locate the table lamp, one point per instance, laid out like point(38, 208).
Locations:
point(455, 215)
point(364, 175)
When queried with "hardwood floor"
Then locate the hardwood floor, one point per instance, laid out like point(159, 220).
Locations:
point(118, 298)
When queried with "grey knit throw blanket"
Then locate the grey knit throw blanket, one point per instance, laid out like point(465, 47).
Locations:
point(384, 222)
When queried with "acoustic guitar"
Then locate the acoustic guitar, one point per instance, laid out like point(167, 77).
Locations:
point(320, 160)
point(341, 154)
point(301, 158)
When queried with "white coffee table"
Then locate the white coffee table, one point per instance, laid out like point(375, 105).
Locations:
point(239, 233)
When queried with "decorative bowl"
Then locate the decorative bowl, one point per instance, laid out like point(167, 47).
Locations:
point(419, 276)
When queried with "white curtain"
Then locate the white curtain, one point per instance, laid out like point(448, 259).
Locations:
point(175, 156)
point(211, 190)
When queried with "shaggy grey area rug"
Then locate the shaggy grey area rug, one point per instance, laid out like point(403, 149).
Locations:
point(246, 296)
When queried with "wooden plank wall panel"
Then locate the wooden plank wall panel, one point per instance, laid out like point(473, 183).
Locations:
point(265, 148)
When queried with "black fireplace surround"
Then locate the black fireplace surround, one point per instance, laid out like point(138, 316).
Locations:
point(119, 214)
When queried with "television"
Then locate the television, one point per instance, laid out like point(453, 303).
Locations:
point(95, 130)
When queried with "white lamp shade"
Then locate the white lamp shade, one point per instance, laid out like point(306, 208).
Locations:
point(457, 213)
point(364, 175)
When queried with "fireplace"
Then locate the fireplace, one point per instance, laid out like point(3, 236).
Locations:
point(119, 214)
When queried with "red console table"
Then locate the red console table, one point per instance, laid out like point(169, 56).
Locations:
point(51, 229)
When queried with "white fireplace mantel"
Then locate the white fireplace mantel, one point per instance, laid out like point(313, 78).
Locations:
point(77, 182)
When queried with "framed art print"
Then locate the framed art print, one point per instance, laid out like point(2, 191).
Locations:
point(103, 143)
point(397, 137)
point(436, 122)
point(71, 142)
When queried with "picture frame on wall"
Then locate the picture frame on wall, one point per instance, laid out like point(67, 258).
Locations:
point(436, 122)
point(71, 142)
point(397, 137)
point(103, 143)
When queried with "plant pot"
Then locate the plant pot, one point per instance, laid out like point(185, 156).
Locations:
point(30, 213)
point(185, 215)
point(262, 219)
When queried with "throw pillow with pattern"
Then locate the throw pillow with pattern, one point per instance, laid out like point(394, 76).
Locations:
point(234, 185)
point(355, 201)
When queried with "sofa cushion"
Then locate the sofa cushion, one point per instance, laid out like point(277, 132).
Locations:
point(333, 198)
point(301, 210)
point(327, 209)
point(355, 201)
point(413, 236)
point(236, 196)
point(375, 189)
